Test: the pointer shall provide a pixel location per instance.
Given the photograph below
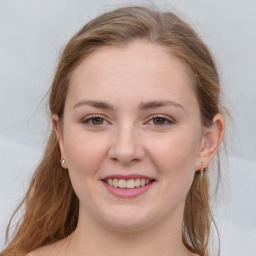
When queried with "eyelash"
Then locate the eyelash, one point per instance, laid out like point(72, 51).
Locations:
point(166, 120)
point(88, 120)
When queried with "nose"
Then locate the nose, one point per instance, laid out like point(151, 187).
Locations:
point(126, 146)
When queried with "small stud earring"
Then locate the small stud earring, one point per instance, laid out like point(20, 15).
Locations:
point(202, 170)
point(63, 161)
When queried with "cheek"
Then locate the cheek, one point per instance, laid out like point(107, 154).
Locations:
point(84, 151)
point(179, 148)
point(175, 157)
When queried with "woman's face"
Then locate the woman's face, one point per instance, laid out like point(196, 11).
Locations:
point(131, 118)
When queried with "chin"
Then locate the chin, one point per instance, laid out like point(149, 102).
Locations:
point(127, 220)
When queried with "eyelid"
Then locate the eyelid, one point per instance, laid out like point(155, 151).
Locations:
point(87, 119)
point(169, 120)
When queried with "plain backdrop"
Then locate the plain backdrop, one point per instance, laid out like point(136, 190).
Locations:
point(32, 34)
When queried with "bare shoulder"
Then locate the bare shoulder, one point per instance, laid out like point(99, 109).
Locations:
point(57, 248)
point(45, 250)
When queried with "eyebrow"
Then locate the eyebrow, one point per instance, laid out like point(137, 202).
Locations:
point(160, 103)
point(142, 105)
point(95, 104)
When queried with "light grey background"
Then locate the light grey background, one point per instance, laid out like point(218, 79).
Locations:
point(32, 33)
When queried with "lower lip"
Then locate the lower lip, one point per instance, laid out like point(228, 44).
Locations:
point(127, 192)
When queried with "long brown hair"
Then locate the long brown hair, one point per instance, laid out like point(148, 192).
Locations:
point(50, 204)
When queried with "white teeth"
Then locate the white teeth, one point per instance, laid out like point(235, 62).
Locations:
point(115, 183)
point(122, 183)
point(131, 183)
point(137, 182)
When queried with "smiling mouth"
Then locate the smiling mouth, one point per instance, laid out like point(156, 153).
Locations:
point(129, 184)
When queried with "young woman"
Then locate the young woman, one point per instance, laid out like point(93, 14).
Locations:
point(137, 121)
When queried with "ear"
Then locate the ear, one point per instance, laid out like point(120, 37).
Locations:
point(211, 140)
point(58, 131)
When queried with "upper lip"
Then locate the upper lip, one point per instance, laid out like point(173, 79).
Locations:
point(127, 177)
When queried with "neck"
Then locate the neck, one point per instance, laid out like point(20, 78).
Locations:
point(90, 238)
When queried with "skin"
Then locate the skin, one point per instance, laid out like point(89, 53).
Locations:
point(128, 140)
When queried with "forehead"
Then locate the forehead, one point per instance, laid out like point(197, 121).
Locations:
point(139, 70)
